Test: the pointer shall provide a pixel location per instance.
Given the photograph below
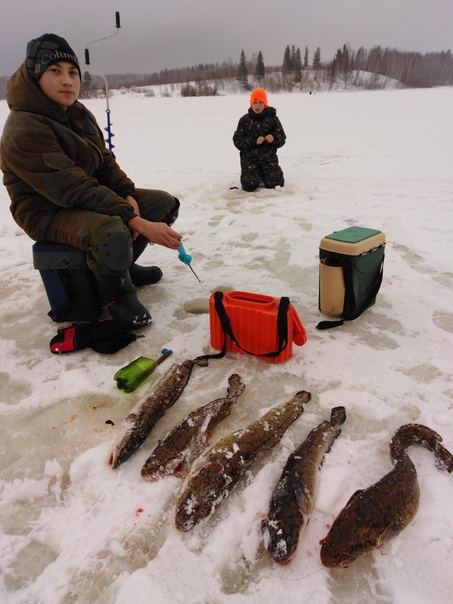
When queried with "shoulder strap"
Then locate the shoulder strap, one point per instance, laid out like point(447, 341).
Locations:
point(349, 293)
point(282, 329)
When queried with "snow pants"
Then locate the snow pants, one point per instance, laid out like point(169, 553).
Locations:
point(268, 172)
point(81, 228)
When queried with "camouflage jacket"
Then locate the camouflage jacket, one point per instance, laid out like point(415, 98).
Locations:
point(52, 159)
point(250, 127)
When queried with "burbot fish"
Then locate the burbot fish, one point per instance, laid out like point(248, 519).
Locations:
point(179, 449)
point(218, 471)
point(142, 418)
point(293, 498)
point(377, 514)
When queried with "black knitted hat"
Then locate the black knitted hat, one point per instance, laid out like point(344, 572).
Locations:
point(45, 51)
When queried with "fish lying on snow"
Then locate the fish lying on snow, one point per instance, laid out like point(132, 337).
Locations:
point(377, 514)
point(137, 426)
point(293, 498)
point(176, 453)
point(218, 471)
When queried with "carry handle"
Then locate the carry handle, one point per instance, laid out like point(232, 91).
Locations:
point(282, 329)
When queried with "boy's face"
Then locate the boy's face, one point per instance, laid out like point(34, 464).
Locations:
point(61, 83)
point(258, 107)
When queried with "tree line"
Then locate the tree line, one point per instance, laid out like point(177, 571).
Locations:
point(298, 70)
point(412, 69)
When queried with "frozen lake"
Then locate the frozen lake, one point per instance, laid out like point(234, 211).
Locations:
point(74, 530)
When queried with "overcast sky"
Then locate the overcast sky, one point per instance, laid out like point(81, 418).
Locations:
point(159, 34)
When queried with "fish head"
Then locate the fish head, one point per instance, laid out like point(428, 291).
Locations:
point(352, 534)
point(342, 545)
point(282, 540)
point(128, 441)
point(337, 556)
point(282, 550)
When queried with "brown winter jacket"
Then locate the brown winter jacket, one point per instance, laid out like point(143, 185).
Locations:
point(52, 159)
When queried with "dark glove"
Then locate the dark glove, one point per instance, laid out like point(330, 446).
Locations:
point(106, 337)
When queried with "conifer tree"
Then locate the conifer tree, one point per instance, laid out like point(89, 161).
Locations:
point(87, 82)
point(242, 73)
point(346, 61)
point(298, 66)
point(260, 71)
point(306, 57)
point(286, 67)
point(317, 58)
point(293, 57)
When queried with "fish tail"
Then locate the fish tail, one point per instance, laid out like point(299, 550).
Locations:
point(338, 415)
point(417, 434)
point(444, 459)
point(235, 386)
point(200, 362)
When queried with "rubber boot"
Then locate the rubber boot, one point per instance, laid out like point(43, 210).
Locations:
point(148, 275)
point(143, 275)
point(119, 301)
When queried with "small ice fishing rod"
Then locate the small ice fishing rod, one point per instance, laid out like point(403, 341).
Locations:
point(187, 259)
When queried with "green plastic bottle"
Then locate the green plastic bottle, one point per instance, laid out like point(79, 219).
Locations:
point(130, 377)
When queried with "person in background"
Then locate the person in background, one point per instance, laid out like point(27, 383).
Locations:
point(258, 136)
point(66, 187)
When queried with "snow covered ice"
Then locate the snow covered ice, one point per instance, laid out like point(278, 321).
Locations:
point(73, 529)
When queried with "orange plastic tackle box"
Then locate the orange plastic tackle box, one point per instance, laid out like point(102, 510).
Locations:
point(253, 319)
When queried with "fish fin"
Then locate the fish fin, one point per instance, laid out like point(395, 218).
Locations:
point(301, 499)
point(354, 496)
point(390, 532)
point(299, 495)
point(176, 466)
point(181, 469)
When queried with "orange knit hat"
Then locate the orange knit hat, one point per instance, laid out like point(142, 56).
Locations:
point(258, 95)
